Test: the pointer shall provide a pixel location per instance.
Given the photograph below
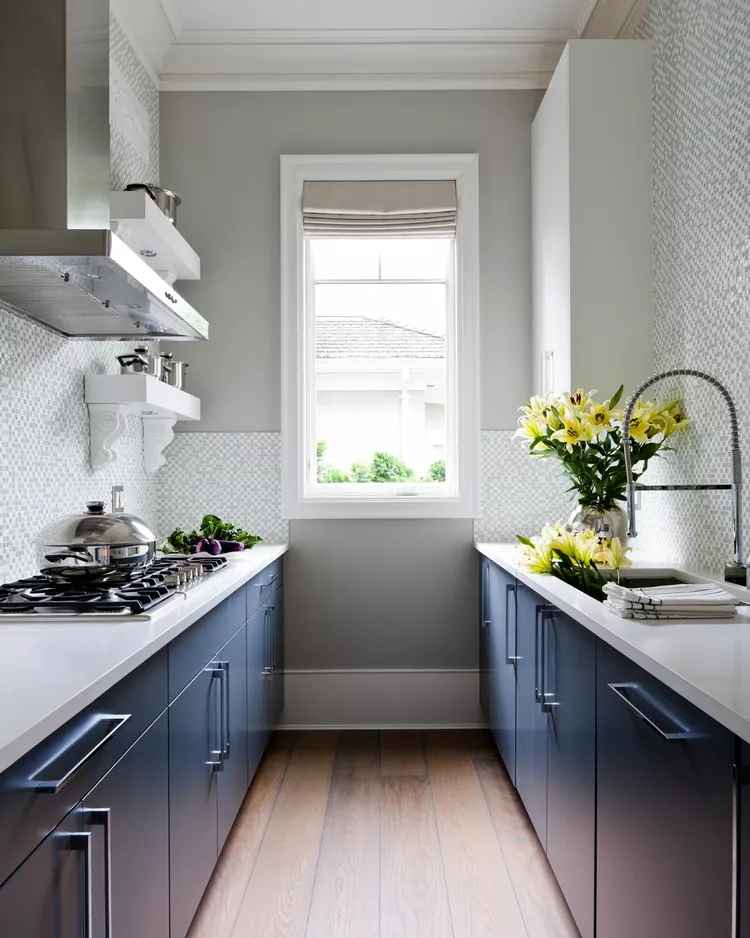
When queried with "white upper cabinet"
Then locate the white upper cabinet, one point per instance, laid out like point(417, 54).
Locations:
point(592, 211)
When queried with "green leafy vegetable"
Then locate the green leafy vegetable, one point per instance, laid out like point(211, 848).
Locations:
point(184, 542)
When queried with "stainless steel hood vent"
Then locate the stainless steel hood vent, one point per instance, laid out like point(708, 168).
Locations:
point(60, 264)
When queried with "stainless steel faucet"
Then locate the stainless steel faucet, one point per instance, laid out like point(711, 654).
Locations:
point(737, 570)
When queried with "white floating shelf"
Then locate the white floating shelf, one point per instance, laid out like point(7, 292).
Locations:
point(111, 398)
point(144, 227)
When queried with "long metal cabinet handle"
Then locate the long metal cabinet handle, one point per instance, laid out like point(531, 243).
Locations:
point(509, 588)
point(103, 818)
point(53, 786)
point(736, 870)
point(539, 611)
point(485, 572)
point(216, 756)
point(548, 705)
point(82, 842)
point(228, 696)
point(266, 672)
point(620, 690)
point(273, 640)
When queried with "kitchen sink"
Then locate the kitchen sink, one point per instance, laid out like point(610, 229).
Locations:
point(638, 580)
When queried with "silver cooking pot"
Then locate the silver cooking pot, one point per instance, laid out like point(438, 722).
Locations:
point(166, 200)
point(96, 546)
point(140, 362)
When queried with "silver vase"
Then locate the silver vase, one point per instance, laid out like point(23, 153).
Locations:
point(611, 523)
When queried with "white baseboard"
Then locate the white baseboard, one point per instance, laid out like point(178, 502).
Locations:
point(382, 699)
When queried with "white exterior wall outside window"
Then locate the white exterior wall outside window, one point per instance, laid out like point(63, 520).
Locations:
point(380, 352)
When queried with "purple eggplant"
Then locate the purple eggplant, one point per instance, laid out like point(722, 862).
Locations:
point(202, 545)
point(213, 546)
point(229, 547)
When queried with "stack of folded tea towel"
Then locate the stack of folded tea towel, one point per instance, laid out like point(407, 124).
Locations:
point(681, 601)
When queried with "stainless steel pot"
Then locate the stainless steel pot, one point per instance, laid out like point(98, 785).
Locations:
point(96, 546)
point(166, 200)
point(140, 362)
point(176, 375)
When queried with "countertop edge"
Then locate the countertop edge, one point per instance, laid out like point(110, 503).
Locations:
point(166, 624)
point(590, 613)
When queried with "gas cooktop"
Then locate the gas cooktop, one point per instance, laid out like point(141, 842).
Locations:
point(40, 596)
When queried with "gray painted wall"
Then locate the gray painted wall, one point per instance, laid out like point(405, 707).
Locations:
point(360, 594)
point(381, 594)
point(220, 151)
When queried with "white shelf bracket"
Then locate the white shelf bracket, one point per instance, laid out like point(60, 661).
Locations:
point(157, 435)
point(108, 423)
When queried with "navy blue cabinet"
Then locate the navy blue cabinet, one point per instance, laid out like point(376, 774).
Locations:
point(141, 796)
point(233, 777)
point(531, 718)
point(275, 682)
point(127, 816)
point(257, 679)
point(568, 691)
point(498, 664)
point(664, 810)
point(195, 756)
point(46, 896)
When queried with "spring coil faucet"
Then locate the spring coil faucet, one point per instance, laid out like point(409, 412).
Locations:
point(737, 570)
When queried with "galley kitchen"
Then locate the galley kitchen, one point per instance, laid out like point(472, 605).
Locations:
point(373, 529)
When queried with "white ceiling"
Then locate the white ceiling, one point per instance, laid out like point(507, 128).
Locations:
point(382, 14)
point(247, 45)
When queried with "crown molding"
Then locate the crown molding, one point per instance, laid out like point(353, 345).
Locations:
point(368, 37)
point(613, 19)
point(356, 60)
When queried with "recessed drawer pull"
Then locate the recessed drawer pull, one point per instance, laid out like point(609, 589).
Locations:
point(621, 691)
point(53, 786)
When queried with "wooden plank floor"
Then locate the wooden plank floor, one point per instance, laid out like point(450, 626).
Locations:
point(382, 835)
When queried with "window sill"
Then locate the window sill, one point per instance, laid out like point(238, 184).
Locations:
point(363, 508)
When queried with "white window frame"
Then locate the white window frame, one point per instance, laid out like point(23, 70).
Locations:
point(295, 368)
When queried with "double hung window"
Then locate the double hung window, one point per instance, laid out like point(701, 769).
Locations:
point(380, 331)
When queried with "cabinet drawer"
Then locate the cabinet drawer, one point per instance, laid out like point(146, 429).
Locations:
point(264, 584)
point(192, 650)
point(41, 788)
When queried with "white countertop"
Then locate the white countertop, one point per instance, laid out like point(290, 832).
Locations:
point(51, 670)
point(707, 662)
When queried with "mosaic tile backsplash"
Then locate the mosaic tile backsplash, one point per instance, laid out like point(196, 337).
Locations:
point(44, 439)
point(44, 442)
point(701, 151)
point(236, 476)
point(518, 494)
point(134, 115)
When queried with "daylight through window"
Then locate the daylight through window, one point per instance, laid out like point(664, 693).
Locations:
point(382, 322)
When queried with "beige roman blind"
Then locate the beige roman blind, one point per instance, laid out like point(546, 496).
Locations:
point(380, 208)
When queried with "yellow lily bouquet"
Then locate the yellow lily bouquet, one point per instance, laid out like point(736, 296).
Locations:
point(586, 438)
point(577, 557)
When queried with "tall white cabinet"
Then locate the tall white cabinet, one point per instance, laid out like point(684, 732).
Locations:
point(592, 213)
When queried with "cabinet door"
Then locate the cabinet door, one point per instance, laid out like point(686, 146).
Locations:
point(531, 721)
point(569, 692)
point(233, 776)
point(664, 810)
point(501, 639)
point(258, 672)
point(194, 757)
point(127, 814)
point(276, 683)
point(47, 896)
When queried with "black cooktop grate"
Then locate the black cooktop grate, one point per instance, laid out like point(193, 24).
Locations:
point(131, 596)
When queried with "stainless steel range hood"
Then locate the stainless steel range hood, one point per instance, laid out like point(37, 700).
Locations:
point(60, 264)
